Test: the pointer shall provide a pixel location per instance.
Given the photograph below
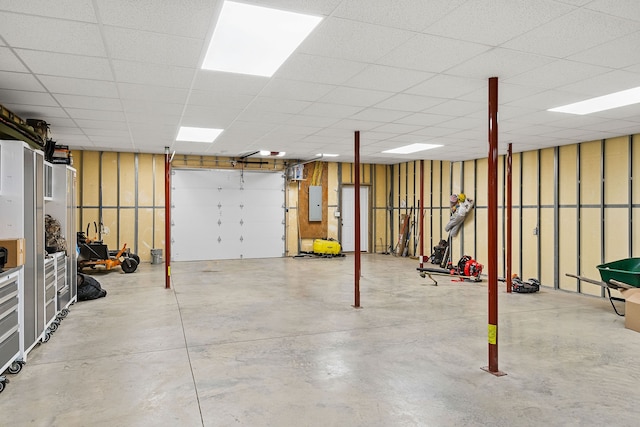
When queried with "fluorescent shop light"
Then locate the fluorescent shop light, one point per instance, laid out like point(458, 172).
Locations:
point(601, 103)
point(413, 148)
point(192, 134)
point(255, 40)
point(327, 155)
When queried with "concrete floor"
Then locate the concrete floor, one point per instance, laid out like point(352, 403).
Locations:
point(276, 343)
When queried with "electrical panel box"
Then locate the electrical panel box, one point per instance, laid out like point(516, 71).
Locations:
point(315, 203)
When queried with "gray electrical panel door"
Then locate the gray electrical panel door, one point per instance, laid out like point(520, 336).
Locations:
point(315, 203)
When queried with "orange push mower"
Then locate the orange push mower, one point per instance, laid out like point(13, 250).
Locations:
point(94, 253)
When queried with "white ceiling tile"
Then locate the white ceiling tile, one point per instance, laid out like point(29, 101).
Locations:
point(62, 131)
point(169, 95)
point(89, 102)
point(414, 15)
point(229, 82)
point(26, 98)
point(79, 38)
point(209, 98)
point(194, 19)
point(312, 121)
point(397, 128)
point(153, 47)
point(64, 122)
point(390, 79)
point(110, 140)
point(494, 22)
point(311, 7)
point(507, 92)
point(120, 133)
point(76, 113)
point(354, 96)
point(41, 112)
point(423, 119)
point(163, 119)
point(353, 125)
point(152, 74)
point(77, 10)
point(628, 9)
point(379, 115)
point(317, 69)
point(278, 105)
point(498, 62)
point(10, 62)
point(432, 53)
point(445, 86)
point(434, 131)
point(261, 116)
point(456, 107)
point(557, 74)
point(616, 53)
point(567, 36)
point(548, 99)
point(84, 87)
point(19, 81)
point(331, 110)
point(604, 83)
point(351, 40)
point(101, 124)
point(407, 102)
point(464, 123)
point(144, 106)
point(59, 64)
point(292, 89)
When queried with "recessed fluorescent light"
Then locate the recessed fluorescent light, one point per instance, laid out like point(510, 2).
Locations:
point(413, 148)
point(192, 134)
point(255, 40)
point(327, 155)
point(272, 153)
point(601, 103)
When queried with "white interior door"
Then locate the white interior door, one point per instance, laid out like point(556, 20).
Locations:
point(348, 219)
point(226, 214)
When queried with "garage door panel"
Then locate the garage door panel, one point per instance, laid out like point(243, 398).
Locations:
point(227, 214)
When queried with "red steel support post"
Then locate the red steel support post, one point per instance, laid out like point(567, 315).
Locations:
point(492, 236)
point(356, 180)
point(421, 216)
point(509, 215)
point(167, 217)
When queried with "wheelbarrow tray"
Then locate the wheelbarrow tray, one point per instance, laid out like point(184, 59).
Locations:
point(625, 270)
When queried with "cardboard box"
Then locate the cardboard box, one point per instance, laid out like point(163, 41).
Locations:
point(632, 309)
point(16, 254)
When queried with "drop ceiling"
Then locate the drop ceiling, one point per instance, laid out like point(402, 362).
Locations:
point(120, 75)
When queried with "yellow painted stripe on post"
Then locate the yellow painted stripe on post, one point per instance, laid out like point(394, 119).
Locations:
point(493, 334)
point(169, 271)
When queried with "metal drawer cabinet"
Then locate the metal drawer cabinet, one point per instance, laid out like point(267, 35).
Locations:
point(9, 325)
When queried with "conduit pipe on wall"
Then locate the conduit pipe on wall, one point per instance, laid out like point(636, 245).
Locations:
point(167, 217)
point(356, 181)
point(421, 216)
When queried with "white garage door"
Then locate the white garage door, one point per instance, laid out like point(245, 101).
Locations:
point(226, 214)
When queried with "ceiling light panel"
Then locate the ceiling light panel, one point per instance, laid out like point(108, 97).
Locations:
point(195, 134)
point(255, 40)
point(602, 103)
point(412, 148)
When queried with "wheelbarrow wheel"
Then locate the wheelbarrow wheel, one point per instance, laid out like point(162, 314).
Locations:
point(134, 256)
point(129, 265)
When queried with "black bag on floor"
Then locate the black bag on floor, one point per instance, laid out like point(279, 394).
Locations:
point(439, 252)
point(89, 288)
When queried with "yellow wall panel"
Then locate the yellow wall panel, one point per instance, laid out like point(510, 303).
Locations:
point(89, 216)
point(515, 178)
point(616, 233)
point(590, 254)
point(110, 222)
point(109, 179)
point(457, 185)
point(546, 247)
point(145, 234)
point(590, 155)
point(567, 191)
point(469, 184)
point(158, 198)
point(616, 170)
point(90, 179)
point(127, 179)
point(445, 184)
point(530, 180)
point(436, 187)
point(145, 180)
point(482, 248)
point(568, 247)
point(547, 178)
point(127, 222)
point(515, 239)
point(158, 233)
point(481, 182)
point(529, 266)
